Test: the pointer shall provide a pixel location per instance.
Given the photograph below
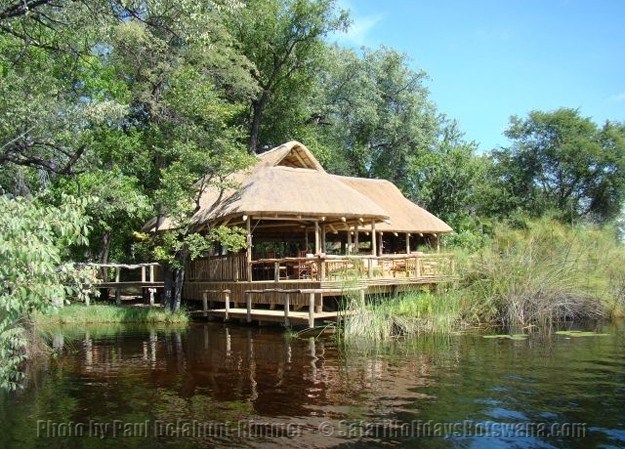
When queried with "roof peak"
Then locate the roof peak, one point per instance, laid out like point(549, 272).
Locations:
point(292, 154)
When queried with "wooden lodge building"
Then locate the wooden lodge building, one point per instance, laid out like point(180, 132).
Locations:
point(312, 235)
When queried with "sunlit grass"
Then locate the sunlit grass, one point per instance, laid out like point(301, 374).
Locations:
point(79, 314)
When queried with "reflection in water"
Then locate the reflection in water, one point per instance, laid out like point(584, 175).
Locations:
point(213, 385)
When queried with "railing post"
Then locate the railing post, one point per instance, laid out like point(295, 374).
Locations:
point(248, 302)
point(369, 267)
point(117, 274)
point(152, 278)
point(142, 273)
point(322, 269)
point(287, 300)
point(311, 310)
point(227, 300)
point(276, 271)
point(205, 302)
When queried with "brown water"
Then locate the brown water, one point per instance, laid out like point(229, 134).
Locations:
point(219, 386)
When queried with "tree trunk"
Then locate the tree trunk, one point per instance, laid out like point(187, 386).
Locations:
point(178, 282)
point(168, 286)
point(258, 107)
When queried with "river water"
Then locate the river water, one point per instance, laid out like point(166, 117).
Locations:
point(213, 385)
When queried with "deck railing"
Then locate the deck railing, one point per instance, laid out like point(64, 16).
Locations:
point(233, 267)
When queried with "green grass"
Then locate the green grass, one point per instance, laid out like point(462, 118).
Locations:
point(79, 314)
point(545, 274)
point(410, 314)
point(541, 275)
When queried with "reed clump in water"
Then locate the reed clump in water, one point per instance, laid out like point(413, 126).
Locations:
point(545, 273)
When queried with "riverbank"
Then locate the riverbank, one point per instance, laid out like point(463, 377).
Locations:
point(542, 274)
point(79, 314)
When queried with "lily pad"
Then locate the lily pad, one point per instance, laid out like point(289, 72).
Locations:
point(507, 336)
point(577, 334)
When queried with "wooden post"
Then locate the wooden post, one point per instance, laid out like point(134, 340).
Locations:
point(311, 310)
point(322, 269)
point(248, 302)
point(152, 278)
point(381, 244)
point(323, 239)
point(151, 291)
point(438, 243)
point(227, 301)
point(349, 241)
point(142, 273)
point(205, 302)
point(374, 245)
point(370, 268)
point(248, 252)
point(276, 271)
point(287, 300)
point(407, 242)
point(118, 296)
point(306, 239)
point(117, 272)
point(317, 239)
point(356, 240)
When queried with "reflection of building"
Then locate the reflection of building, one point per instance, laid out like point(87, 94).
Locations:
point(309, 229)
point(248, 370)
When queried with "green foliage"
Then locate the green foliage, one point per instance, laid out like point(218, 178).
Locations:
point(33, 276)
point(545, 273)
point(560, 162)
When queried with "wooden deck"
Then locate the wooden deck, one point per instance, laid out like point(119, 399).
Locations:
point(274, 316)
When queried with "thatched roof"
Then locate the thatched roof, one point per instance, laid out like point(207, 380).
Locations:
point(287, 183)
point(405, 216)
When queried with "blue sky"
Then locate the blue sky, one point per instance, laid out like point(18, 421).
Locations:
point(488, 59)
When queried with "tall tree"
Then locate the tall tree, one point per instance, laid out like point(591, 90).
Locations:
point(562, 162)
point(284, 41)
point(375, 115)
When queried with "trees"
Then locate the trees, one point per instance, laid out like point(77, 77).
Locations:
point(33, 276)
point(561, 162)
point(376, 116)
point(283, 39)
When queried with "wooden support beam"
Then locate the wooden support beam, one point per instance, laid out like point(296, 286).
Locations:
point(248, 303)
point(248, 251)
point(311, 310)
point(287, 306)
point(407, 242)
point(317, 239)
point(374, 245)
point(142, 274)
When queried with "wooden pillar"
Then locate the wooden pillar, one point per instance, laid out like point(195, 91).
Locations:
point(349, 241)
point(323, 239)
point(248, 303)
point(407, 243)
point(227, 301)
point(438, 243)
point(311, 310)
point(374, 245)
point(118, 296)
point(248, 251)
point(205, 302)
point(317, 239)
point(142, 273)
point(306, 239)
point(152, 279)
point(287, 306)
point(381, 244)
point(356, 239)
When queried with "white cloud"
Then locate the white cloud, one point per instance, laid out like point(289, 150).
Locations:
point(359, 30)
point(618, 97)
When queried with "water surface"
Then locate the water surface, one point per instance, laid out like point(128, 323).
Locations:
point(214, 385)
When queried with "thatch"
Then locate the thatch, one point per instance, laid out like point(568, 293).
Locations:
point(288, 183)
point(404, 215)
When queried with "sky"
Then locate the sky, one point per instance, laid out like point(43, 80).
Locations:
point(488, 60)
